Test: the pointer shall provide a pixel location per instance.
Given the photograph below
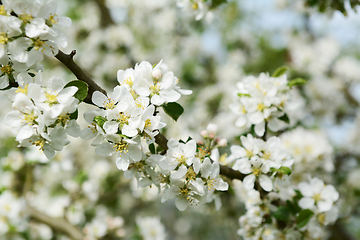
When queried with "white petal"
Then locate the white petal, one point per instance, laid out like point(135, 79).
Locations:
point(249, 181)
point(265, 182)
point(306, 203)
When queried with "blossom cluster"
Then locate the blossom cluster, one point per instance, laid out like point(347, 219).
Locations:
point(267, 219)
point(184, 173)
point(129, 114)
point(28, 29)
point(310, 149)
point(43, 115)
point(264, 99)
point(258, 159)
point(12, 212)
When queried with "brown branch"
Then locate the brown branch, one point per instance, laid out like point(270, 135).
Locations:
point(67, 60)
point(106, 19)
point(57, 224)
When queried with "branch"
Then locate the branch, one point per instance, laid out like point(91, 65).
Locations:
point(67, 60)
point(57, 224)
point(106, 19)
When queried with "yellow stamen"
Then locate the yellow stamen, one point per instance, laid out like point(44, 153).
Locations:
point(260, 106)
point(110, 104)
point(38, 44)
point(3, 38)
point(195, 6)
point(155, 89)
point(29, 118)
point(25, 18)
point(51, 98)
point(121, 147)
point(147, 123)
point(256, 171)
point(7, 69)
point(128, 81)
point(190, 175)
point(3, 10)
point(182, 159)
point(22, 90)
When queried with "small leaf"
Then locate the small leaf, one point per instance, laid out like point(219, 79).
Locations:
point(304, 217)
point(244, 95)
point(216, 3)
point(285, 170)
point(282, 213)
point(285, 118)
point(292, 207)
point(82, 89)
point(280, 71)
point(173, 109)
point(99, 120)
point(31, 74)
point(296, 82)
point(152, 148)
point(74, 115)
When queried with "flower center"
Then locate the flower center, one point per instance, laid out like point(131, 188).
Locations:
point(7, 69)
point(38, 44)
point(260, 107)
point(51, 98)
point(181, 159)
point(110, 104)
point(147, 123)
point(155, 89)
point(121, 147)
point(3, 38)
point(317, 197)
point(128, 81)
point(29, 118)
point(256, 171)
point(190, 175)
point(26, 18)
point(123, 119)
point(22, 90)
point(3, 10)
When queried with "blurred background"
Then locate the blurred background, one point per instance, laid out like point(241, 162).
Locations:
point(209, 56)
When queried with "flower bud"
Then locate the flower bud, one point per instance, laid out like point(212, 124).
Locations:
point(156, 73)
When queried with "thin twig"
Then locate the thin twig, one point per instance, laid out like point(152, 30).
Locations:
point(67, 60)
point(58, 224)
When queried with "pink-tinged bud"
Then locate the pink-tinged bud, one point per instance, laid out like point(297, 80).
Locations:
point(203, 133)
point(211, 135)
point(200, 142)
point(222, 142)
point(156, 73)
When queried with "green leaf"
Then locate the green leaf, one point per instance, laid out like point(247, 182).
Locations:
point(173, 109)
point(282, 213)
point(216, 3)
point(285, 118)
point(152, 148)
point(82, 89)
point(244, 95)
point(304, 217)
point(285, 170)
point(296, 82)
point(74, 115)
point(280, 71)
point(99, 120)
point(292, 207)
